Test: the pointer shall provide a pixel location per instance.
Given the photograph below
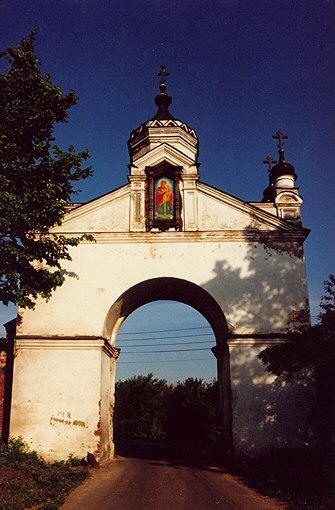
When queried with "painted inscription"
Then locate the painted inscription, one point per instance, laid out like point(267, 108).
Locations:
point(65, 418)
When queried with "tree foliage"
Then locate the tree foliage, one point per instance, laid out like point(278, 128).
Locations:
point(36, 178)
point(193, 413)
point(310, 348)
point(313, 350)
point(139, 411)
point(185, 414)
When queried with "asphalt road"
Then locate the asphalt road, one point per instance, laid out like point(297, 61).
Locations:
point(137, 484)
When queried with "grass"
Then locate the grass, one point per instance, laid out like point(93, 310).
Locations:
point(27, 481)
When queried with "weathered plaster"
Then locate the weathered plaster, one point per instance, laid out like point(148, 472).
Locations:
point(53, 382)
point(267, 411)
point(239, 264)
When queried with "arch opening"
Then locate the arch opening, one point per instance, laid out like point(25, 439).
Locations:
point(183, 291)
point(165, 288)
point(169, 339)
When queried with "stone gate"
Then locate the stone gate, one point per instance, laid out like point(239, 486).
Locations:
point(167, 236)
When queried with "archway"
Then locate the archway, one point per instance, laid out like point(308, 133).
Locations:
point(175, 289)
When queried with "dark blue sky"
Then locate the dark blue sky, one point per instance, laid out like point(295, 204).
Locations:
point(240, 70)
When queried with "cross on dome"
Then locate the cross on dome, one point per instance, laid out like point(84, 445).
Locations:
point(162, 74)
point(269, 161)
point(280, 137)
point(162, 100)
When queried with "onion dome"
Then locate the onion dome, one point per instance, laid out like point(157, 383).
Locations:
point(282, 168)
point(281, 174)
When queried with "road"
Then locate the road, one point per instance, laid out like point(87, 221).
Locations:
point(138, 484)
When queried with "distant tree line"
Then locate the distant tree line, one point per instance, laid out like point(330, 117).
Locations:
point(184, 414)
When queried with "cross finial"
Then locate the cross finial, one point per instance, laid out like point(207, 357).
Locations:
point(269, 161)
point(280, 137)
point(162, 74)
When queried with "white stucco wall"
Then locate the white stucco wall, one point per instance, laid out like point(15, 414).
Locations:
point(57, 397)
point(245, 257)
point(229, 271)
point(268, 412)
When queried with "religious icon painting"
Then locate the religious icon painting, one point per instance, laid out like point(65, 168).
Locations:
point(164, 199)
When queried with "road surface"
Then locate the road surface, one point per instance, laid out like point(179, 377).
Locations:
point(138, 484)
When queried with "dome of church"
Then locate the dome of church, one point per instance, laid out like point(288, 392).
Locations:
point(163, 127)
point(282, 174)
point(282, 168)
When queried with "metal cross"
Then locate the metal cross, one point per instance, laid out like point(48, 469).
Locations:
point(162, 74)
point(280, 136)
point(269, 161)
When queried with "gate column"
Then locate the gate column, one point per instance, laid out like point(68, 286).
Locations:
point(221, 352)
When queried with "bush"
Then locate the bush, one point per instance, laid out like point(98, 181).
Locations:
point(26, 480)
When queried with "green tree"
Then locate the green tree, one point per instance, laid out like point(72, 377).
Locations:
point(140, 408)
point(312, 352)
point(193, 418)
point(36, 178)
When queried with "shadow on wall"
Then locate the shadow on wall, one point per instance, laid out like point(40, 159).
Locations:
point(265, 292)
point(265, 295)
point(259, 289)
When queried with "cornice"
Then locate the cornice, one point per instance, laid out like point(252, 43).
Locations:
point(36, 342)
point(218, 236)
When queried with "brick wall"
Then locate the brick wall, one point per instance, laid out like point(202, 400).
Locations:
point(3, 355)
point(6, 378)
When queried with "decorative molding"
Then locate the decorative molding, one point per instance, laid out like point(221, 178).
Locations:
point(255, 339)
point(218, 236)
point(65, 343)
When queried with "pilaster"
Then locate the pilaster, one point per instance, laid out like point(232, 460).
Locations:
point(137, 203)
point(190, 202)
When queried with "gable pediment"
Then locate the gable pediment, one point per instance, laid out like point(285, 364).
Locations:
point(220, 211)
point(217, 213)
point(108, 213)
point(164, 152)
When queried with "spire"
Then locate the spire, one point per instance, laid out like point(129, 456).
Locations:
point(162, 100)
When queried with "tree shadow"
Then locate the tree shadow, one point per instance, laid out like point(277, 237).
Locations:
point(260, 285)
point(161, 453)
point(263, 295)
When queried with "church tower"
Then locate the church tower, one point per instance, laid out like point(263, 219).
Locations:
point(163, 170)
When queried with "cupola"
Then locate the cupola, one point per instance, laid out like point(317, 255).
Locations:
point(281, 174)
point(165, 131)
point(281, 189)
